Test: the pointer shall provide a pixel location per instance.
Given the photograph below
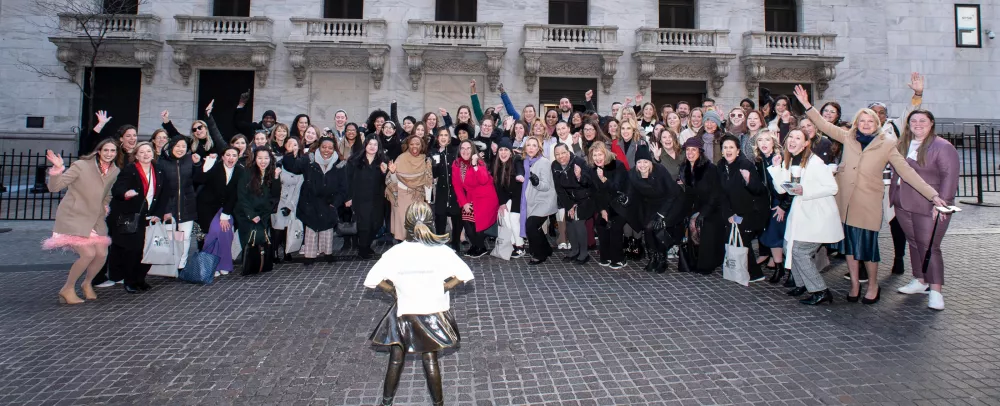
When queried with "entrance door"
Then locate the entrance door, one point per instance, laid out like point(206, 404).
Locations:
point(225, 87)
point(117, 91)
point(674, 91)
point(787, 89)
point(550, 90)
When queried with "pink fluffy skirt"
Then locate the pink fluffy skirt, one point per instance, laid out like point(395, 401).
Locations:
point(65, 241)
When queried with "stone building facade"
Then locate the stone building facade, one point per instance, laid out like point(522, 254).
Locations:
point(853, 51)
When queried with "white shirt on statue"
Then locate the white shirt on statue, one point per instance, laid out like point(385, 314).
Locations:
point(418, 273)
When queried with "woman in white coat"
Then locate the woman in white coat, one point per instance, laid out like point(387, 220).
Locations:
point(539, 198)
point(286, 227)
point(813, 219)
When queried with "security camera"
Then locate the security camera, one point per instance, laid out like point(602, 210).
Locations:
point(991, 34)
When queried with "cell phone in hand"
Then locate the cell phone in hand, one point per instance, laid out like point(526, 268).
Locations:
point(948, 209)
point(788, 186)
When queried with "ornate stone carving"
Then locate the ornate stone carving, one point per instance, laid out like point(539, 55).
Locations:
point(261, 61)
point(181, 59)
point(680, 71)
point(532, 65)
point(415, 62)
point(646, 66)
point(146, 57)
point(454, 65)
point(376, 63)
point(494, 64)
point(143, 55)
point(588, 67)
point(719, 70)
point(297, 57)
point(754, 71)
point(609, 67)
point(68, 57)
point(824, 75)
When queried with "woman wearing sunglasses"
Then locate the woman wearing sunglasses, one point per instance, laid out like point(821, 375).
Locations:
point(205, 138)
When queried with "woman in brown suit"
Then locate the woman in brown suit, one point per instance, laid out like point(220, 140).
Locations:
point(80, 218)
point(866, 152)
point(936, 161)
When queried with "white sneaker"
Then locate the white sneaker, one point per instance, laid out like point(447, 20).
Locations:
point(218, 274)
point(914, 287)
point(106, 284)
point(224, 273)
point(563, 246)
point(935, 300)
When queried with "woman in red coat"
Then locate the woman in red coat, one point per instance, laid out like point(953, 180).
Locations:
point(476, 196)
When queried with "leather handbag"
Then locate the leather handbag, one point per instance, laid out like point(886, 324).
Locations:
point(348, 228)
point(257, 256)
point(127, 223)
point(200, 267)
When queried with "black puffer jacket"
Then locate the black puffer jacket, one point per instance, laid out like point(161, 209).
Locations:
point(322, 193)
point(607, 194)
point(178, 184)
point(572, 192)
point(748, 200)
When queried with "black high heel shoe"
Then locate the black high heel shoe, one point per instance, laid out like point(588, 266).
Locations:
point(818, 298)
point(779, 272)
point(878, 295)
point(796, 292)
point(853, 299)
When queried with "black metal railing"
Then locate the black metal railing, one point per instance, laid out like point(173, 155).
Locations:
point(23, 192)
point(978, 149)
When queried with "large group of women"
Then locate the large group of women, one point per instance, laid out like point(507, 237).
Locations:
point(666, 184)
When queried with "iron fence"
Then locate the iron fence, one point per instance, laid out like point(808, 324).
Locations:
point(23, 192)
point(978, 147)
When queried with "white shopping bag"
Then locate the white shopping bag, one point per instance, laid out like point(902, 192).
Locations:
point(160, 248)
point(735, 266)
point(181, 239)
point(505, 239)
point(294, 236)
point(236, 249)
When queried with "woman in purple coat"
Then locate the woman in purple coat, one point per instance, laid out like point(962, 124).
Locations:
point(936, 161)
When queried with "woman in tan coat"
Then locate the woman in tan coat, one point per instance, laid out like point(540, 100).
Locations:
point(859, 179)
point(80, 218)
point(409, 181)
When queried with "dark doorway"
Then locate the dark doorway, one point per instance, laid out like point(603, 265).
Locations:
point(781, 15)
point(455, 10)
point(550, 90)
point(352, 9)
point(225, 87)
point(121, 6)
point(787, 89)
point(676, 13)
point(568, 12)
point(231, 8)
point(674, 91)
point(117, 91)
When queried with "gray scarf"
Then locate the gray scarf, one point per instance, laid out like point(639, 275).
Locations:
point(325, 164)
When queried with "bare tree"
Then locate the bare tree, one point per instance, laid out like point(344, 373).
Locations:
point(82, 31)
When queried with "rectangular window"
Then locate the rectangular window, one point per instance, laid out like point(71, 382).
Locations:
point(676, 13)
point(781, 16)
point(455, 10)
point(121, 6)
point(231, 8)
point(116, 90)
point(225, 87)
point(568, 12)
point(350, 9)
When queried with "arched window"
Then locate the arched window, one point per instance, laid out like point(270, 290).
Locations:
point(781, 15)
point(676, 13)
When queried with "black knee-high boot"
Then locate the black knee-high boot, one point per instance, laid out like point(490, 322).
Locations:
point(397, 357)
point(432, 372)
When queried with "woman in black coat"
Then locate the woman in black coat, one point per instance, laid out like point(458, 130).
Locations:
point(574, 189)
point(508, 179)
point(257, 195)
point(610, 199)
point(658, 207)
point(218, 188)
point(137, 196)
point(445, 203)
point(366, 196)
point(324, 190)
point(745, 203)
point(178, 166)
point(703, 191)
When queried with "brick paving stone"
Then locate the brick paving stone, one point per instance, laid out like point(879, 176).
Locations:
point(555, 334)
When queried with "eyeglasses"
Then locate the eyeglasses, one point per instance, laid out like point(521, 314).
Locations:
point(197, 128)
point(735, 115)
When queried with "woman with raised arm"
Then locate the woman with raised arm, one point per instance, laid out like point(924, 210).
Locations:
point(866, 152)
point(419, 273)
point(205, 136)
point(81, 216)
point(936, 161)
point(667, 152)
point(137, 198)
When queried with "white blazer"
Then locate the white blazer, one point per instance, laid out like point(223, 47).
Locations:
point(813, 216)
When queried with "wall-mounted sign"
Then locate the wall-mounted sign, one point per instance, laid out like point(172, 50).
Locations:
point(968, 29)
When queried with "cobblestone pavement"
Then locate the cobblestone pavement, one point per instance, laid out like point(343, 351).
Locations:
point(557, 335)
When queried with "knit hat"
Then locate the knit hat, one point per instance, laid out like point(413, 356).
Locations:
point(642, 152)
point(752, 104)
point(714, 117)
point(269, 113)
point(695, 142)
point(505, 143)
point(465, 127)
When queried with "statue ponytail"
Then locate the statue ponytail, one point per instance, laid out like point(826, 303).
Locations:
point(417, 224)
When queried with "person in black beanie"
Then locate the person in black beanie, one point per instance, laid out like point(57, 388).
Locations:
point(657, 200)
point(246, 127)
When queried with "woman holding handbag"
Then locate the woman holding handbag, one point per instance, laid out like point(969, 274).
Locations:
point(704, 195)
point(178, 167)
point(574, 190)
point(366, 197)
point(812, 219)
point(657, 204)
point(256, 194)
point(745, 201)
point(508, 177)
point(216, 202)
point(136, 199)
point(81, 217)
point(610, 197)
point(283, 220)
